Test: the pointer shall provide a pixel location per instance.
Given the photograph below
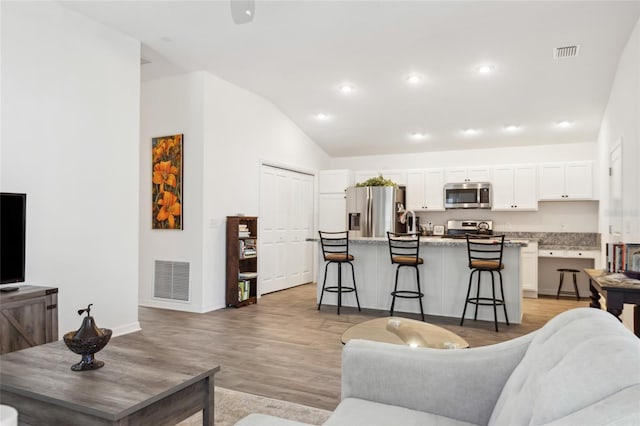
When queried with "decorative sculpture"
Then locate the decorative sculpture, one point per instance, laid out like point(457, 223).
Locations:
point(86, 341)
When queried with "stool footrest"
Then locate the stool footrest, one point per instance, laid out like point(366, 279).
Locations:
point(485, 301)
point(407, 294)
point(336, 289)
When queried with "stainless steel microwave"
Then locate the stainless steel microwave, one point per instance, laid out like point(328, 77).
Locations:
point(467, 195)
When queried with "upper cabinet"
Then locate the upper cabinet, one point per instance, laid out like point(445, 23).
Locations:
point(566, 181)
point(514, 188)
point(397, 176)
point(334, 181)
point(467, 174)
point(424, 189)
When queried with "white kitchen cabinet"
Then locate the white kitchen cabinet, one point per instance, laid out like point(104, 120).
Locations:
point(529, 269)
point(332, 212)
point(395, 175)
point(566, 181)
point(514, 188)
point(424, 190)
point(334, 181)
point(467, 174)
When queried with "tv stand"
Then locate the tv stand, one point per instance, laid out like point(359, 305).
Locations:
point(28, 317)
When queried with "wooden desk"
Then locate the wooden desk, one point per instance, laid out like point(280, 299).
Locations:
point(617, 290)
point(143, 382)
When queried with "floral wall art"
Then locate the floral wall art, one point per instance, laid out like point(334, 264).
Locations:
point(167, 182)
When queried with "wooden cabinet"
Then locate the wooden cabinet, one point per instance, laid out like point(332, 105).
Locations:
point(332, 200)
point(28, 317)
point(334, 181)
point(467, 174)
point(399, 177)
point(566, 181)
point(424, 190)
point(514, 188)
point(242, 260)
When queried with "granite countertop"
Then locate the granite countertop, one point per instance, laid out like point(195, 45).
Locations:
point(566, 247)
point(430, 241)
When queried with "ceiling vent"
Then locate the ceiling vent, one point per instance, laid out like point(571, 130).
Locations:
point(566, 51)
point(144, 61)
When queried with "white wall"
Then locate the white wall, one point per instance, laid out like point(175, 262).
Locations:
point(622, 119)
point(70, 131)
point(228, 132)
point(472, 157)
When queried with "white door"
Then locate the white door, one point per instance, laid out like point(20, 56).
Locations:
point(332, 212)
point(286, 212)
point(271, 236)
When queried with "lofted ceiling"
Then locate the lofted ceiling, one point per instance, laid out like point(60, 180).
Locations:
point(296, 54)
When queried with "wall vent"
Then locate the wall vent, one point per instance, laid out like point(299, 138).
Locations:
point(171, 280)
point(566, 51)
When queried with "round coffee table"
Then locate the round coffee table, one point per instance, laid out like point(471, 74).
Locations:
point(404, 331)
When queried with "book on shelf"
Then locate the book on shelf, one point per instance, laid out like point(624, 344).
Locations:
point(244, 290)
point(623, 257)
point(243, 231)
point(247, 275)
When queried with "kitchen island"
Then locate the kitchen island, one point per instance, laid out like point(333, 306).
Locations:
point(444, 278)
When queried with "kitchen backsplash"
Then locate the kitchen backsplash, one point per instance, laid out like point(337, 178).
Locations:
point(585, 239)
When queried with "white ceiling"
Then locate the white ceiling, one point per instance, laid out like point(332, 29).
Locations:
point(297, 53)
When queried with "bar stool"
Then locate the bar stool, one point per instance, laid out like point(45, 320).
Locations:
point(335, 249)
point(485, 255)
point(404, 250)
point(575, 283)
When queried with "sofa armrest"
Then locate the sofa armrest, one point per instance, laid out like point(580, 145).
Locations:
point(463, 384)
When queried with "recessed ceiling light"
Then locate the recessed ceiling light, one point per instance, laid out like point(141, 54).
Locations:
point(471, 132)
point(564, 124)
point(485, 69)
point(347, 88)
point(322, 116)
point(511, 128)
point(414, 79)
point(418, 136)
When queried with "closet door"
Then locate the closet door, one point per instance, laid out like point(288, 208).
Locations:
point(286, 221)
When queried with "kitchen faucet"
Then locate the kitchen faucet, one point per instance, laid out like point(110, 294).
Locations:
point(403, 219)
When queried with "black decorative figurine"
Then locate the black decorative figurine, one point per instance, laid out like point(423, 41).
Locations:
point(88, 340)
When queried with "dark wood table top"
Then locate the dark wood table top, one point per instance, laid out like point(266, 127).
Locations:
point(139, 370)
point(613, 281)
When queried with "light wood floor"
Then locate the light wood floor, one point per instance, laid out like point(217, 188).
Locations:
point(283, 348)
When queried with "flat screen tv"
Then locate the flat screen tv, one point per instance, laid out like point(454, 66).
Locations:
point(12, 237)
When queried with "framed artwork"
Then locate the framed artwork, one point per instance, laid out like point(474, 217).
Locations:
point(166, 192)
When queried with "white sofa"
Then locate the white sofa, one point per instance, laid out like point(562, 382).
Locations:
point(581, 368)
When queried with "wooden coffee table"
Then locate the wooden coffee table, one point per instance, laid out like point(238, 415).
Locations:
point(143, 382)
point(404, 331)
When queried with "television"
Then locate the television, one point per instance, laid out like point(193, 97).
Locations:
point(13, 218)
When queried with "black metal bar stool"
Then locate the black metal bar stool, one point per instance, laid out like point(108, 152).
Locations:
point(575, 283)
point(404, 250)
point(485, 255)
point(335, 249)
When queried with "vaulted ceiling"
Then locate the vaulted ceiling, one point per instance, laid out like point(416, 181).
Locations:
point(300, 54)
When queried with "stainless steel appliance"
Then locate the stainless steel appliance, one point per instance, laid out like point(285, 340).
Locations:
point(467, 195)
point(374, 210)
point(459, 228)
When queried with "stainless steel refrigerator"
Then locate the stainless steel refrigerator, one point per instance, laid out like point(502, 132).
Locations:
point(373, 210)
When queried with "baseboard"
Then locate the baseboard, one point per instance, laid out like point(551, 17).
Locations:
point(126, 329)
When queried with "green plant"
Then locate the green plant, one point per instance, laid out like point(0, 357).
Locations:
point(377, 181)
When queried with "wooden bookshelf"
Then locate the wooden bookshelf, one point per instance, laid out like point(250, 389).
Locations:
point(242, 260)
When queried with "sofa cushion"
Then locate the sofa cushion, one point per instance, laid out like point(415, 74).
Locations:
point(355, 411)
point(578, 359)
